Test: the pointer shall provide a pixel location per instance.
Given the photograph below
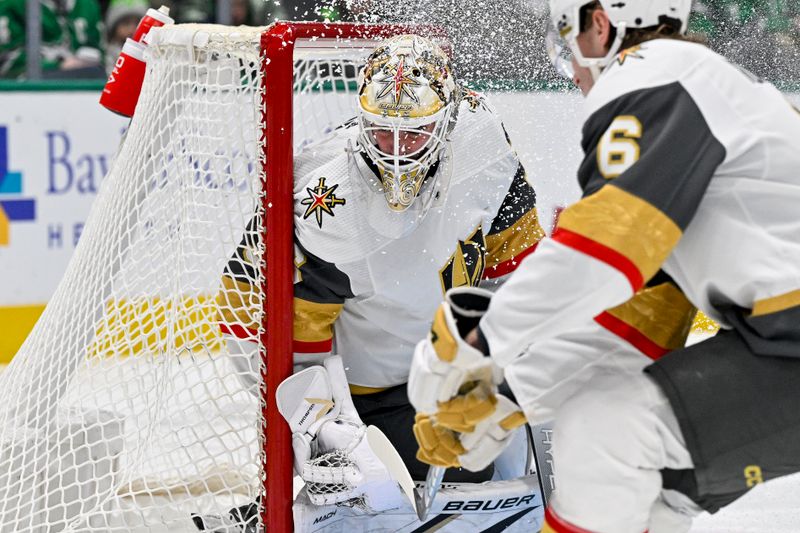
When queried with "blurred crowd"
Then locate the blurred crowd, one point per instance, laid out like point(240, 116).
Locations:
point(493, 40)
point(763, 36)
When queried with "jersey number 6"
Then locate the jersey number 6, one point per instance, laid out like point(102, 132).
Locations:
point(618, 149)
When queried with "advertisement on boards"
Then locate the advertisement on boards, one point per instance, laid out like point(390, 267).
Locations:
point(55, 149)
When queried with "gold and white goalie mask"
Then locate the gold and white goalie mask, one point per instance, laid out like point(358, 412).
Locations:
point(408, 99)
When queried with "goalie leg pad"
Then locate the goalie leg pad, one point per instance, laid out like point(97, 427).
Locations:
point(515, 506)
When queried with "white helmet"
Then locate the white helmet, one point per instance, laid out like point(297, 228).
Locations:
point(407, 87)
point(623, 15)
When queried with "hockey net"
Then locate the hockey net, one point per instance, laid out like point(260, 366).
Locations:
point(123, 410)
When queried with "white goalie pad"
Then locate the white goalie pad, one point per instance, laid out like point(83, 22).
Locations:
point(512, 506)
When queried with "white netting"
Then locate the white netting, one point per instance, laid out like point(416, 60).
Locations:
point(122, 410)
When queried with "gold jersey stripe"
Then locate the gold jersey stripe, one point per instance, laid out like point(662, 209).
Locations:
point(238, 303)
point(661, 313)
point(775, 304)
point(515, 239)
point(360, 390)
point(313, 322)
point(703, 324)
point(626, 224)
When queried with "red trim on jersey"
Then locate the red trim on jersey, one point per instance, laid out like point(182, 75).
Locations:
point(507, 267)
point(639, 340)
point(602, 253)
point(239, 331)
point(313, 347)
point(558, 524)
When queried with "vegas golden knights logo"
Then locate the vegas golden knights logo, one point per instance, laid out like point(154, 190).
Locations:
point(465, 266)
point(321, 200)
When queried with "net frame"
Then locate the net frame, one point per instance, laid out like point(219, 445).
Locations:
point(273, 52)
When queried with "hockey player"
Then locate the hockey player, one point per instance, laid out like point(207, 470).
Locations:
point(691, 167)
point(421, 193)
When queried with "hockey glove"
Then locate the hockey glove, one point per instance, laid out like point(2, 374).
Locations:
point(331, 452)
point(474, 450)
point(444, 363)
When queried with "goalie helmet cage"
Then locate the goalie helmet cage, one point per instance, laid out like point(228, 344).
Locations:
point(127, 409)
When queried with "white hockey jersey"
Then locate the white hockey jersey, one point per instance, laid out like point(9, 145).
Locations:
point(692, 166)
point(369, 279)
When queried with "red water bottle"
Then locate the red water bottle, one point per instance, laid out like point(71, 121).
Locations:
point(152, 19)
point(124, 84)
point(121, 92)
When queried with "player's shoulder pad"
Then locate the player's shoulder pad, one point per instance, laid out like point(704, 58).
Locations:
point(479, 140)
point(474, 101)
point(651, 64)
point(314, 154)
point(331, 203)
point(323, 186)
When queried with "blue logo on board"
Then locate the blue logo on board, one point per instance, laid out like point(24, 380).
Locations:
point(13, 208)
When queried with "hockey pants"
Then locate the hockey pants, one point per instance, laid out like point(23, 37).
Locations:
point(610, 442)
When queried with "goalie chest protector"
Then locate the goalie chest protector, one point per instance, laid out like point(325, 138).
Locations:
point(397, 265)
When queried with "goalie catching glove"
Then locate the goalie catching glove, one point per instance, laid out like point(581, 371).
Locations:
point(475, 449)
point(331, 452)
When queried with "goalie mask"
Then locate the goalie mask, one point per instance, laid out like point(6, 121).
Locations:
point(567, 23)
point(407, 103)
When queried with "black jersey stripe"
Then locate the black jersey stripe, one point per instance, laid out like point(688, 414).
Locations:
point(519, 200)
point(773, 333)
point(320, 281)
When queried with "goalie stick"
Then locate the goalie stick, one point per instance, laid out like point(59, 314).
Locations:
point(432, 483)
point(540, 444)
point(383, 448)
